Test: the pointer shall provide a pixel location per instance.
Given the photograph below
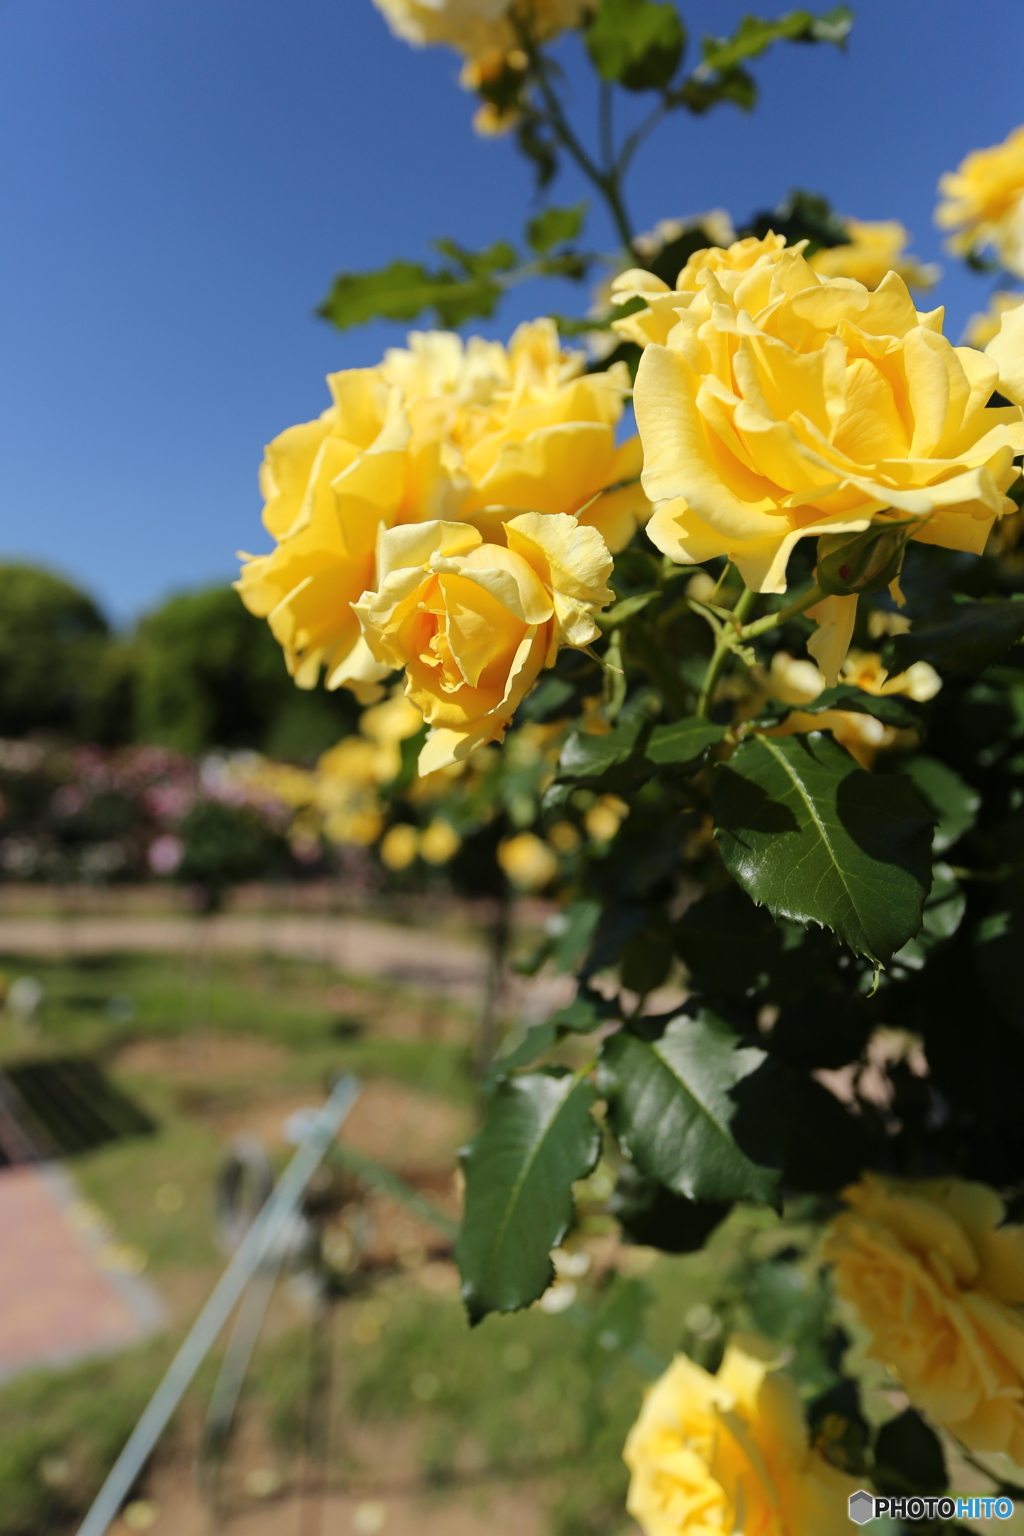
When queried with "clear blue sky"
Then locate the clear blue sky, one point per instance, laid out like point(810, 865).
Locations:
point(179, 180)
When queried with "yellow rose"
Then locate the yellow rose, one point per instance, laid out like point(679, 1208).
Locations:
point(399, 846)
point(477, 27)
point(473, 623)
point(938, 1283)
point(528, 862)
point(795, 681)
point(656, 321)
point(781, 406)
point(716, 1455)
point(874, 250)
point(439, 843)
point(983, 328)
point(985, 202)
point(441, 429)
point(347, 776)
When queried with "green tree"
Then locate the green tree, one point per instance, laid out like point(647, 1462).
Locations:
point(208, 674)
point(59, 667)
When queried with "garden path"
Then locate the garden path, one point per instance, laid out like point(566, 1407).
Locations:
point(415, 957)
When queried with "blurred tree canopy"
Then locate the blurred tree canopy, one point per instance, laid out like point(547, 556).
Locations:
point(198, 672)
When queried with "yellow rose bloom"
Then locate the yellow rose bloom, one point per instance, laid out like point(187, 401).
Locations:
point(347, 777)
point(780, 405)
point(473, 623)
point(938, 1283)
point(984, 202)
point(398, 846)
point(717, 1455)
point(795, 681)
point(440, 429)
point(439, 843)
point(528, 862)
point(983, 328)
point(874, 250)
point(477, 27)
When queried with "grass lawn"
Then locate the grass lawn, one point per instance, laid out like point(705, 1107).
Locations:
point(412, 1398)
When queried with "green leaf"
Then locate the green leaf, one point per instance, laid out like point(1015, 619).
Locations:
point(655, 1217)
point(909, 1457)
point(999, 941)
point(816, 839)
point(572, 932)
point(682, 743)
point(625, 610)
point(975, 637)
point(954, 802)
point(537, 1041)
point(555, 226)
point(943, 913)
point(639, 43)
point(403, 290)
point(587, 758)
point(582, 1015)
point(891, 710)
point(538, 1139)
point(732, 947)
point(669, 1107)
point(785, 1118)
point(755, 35)
point(699, 94)
point(801, 216)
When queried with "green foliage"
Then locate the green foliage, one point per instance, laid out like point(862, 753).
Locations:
point(60, 671)
point(638, 43)
point(722, 76)
point(754, 35)
point(555, 226)
point(224, 844)
point(540, 1137)
point(210, 674)
point(403, 290)
point(468, 287)
point(670, 1107)
point(909, 1457)
point(818, 840)
point(802, 216)
point(655, 1216)
point(964, 645)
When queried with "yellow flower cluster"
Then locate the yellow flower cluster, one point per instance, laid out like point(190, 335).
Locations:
point(716, 1455)
point(795, 681)
point(875, 250)
point(480, 27)
point(463, 440)
point(984, 202)
point(937, 1280)
point(774, 405)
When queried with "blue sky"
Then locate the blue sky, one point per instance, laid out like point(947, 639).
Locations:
point(181, 178)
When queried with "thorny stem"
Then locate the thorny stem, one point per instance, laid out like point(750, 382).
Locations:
point(606, 126)
point(741, 631)
point(608, 181)
point(723, 645)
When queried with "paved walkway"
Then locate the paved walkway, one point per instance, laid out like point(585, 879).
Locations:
point(64, 1290)
point(356, 946)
